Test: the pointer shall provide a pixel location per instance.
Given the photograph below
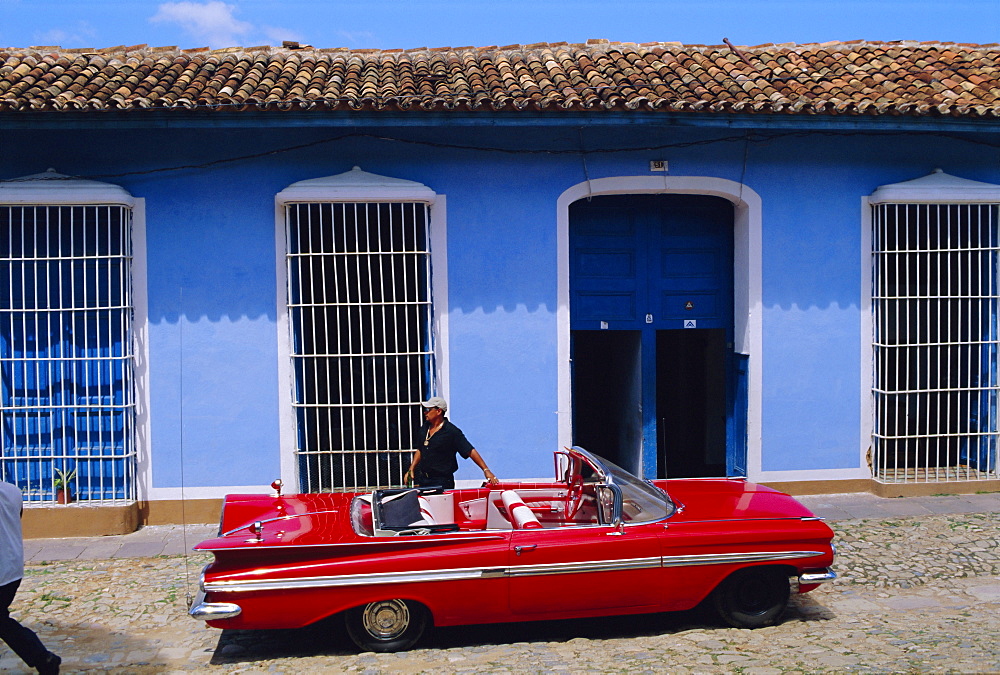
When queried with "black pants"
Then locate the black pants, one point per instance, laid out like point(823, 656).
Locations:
point(422, 480)
point(22, 640)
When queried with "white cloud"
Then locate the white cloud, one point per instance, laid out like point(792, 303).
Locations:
point(277, 35)
point(212, 22)
point(360, 38)
point(83, 34)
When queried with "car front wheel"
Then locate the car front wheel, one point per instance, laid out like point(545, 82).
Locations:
point(386, 625)
point(752, 597)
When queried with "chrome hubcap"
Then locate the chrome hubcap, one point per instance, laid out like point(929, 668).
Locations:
point(386, 619)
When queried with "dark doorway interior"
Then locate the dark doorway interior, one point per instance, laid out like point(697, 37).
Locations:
point(607, 395)
point(691, 402)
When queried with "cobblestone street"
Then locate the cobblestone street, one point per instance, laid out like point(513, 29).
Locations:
point(916, 594)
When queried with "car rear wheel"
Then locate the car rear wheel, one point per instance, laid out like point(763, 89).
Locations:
point(386, 625)
point(752, 597)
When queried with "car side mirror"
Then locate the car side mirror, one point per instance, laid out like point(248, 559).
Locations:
point(609, 498)
point(562, 467)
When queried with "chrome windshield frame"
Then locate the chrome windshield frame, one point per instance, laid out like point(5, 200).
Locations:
point(627, 482)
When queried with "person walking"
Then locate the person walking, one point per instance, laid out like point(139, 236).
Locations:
point(434, 464)
point(22, 640)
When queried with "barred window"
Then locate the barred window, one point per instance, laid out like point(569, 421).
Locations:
point(935, 301)
point(359, 304)
point(66, 351)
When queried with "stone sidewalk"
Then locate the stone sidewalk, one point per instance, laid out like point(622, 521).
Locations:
point(919, 591)
point(148, 542)
point(916, 594)
point(160, 540)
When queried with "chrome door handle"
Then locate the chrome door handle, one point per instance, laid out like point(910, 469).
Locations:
point(529, 547)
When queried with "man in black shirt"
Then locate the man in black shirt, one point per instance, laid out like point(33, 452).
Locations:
point(436, 461)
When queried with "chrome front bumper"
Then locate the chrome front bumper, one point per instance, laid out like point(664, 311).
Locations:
point(817, 577)
point(210, 611)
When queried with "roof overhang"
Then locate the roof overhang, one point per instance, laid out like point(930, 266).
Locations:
point(355, 121)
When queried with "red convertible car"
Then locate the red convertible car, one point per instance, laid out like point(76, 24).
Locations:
point(596, 541)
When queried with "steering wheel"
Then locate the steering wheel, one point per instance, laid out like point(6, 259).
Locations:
point(574, 496)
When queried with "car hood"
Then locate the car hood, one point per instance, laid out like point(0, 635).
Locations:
point(701, 500)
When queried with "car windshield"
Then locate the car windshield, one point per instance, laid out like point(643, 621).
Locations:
point(641, 501)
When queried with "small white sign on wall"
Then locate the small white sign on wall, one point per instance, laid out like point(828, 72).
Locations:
point(690, 323)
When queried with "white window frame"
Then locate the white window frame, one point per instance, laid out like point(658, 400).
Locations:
point(939, 189)
point(52, 189)
point(355, 186)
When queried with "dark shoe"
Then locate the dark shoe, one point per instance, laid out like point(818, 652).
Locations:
point(50, 666)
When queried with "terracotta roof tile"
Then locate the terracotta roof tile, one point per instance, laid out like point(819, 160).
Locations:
point(833, 78)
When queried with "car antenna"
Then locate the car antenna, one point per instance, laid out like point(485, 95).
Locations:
point(669, 500)
point(184, 524)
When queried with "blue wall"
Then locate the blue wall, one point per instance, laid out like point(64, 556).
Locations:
point(812, 264)
point(211, 277)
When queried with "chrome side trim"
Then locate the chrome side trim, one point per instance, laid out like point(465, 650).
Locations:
point(728, 558)
point(583, 567)
point(817, 577)
point(348, 580)
point(431, 575)
point(734, 520)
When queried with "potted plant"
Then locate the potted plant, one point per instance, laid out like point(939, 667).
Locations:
point(62, 484)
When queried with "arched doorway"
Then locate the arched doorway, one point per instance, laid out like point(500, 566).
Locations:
point(656, 383)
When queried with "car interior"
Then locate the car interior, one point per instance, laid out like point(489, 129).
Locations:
point(507, 507)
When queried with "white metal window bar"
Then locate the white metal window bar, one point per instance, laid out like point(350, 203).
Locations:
point(66, 352)
point(359, 303)
point(935, 304)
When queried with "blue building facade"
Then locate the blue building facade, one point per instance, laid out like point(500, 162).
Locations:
point(689, 297)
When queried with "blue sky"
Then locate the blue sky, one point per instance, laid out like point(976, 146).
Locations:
point(386, 24)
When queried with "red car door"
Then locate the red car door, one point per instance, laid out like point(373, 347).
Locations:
point(585, 569)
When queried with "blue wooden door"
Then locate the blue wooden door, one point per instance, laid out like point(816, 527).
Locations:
point(655, 264)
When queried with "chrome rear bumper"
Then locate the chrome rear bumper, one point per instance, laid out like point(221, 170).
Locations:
point(210, 611)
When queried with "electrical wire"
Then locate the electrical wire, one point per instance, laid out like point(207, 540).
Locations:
point(189, 597)
point(583, 158)
point(747, 138)
point(743, 167)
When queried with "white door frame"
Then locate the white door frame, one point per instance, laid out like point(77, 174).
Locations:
point(746, 283)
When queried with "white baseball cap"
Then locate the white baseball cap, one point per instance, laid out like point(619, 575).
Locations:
point(436, 402)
